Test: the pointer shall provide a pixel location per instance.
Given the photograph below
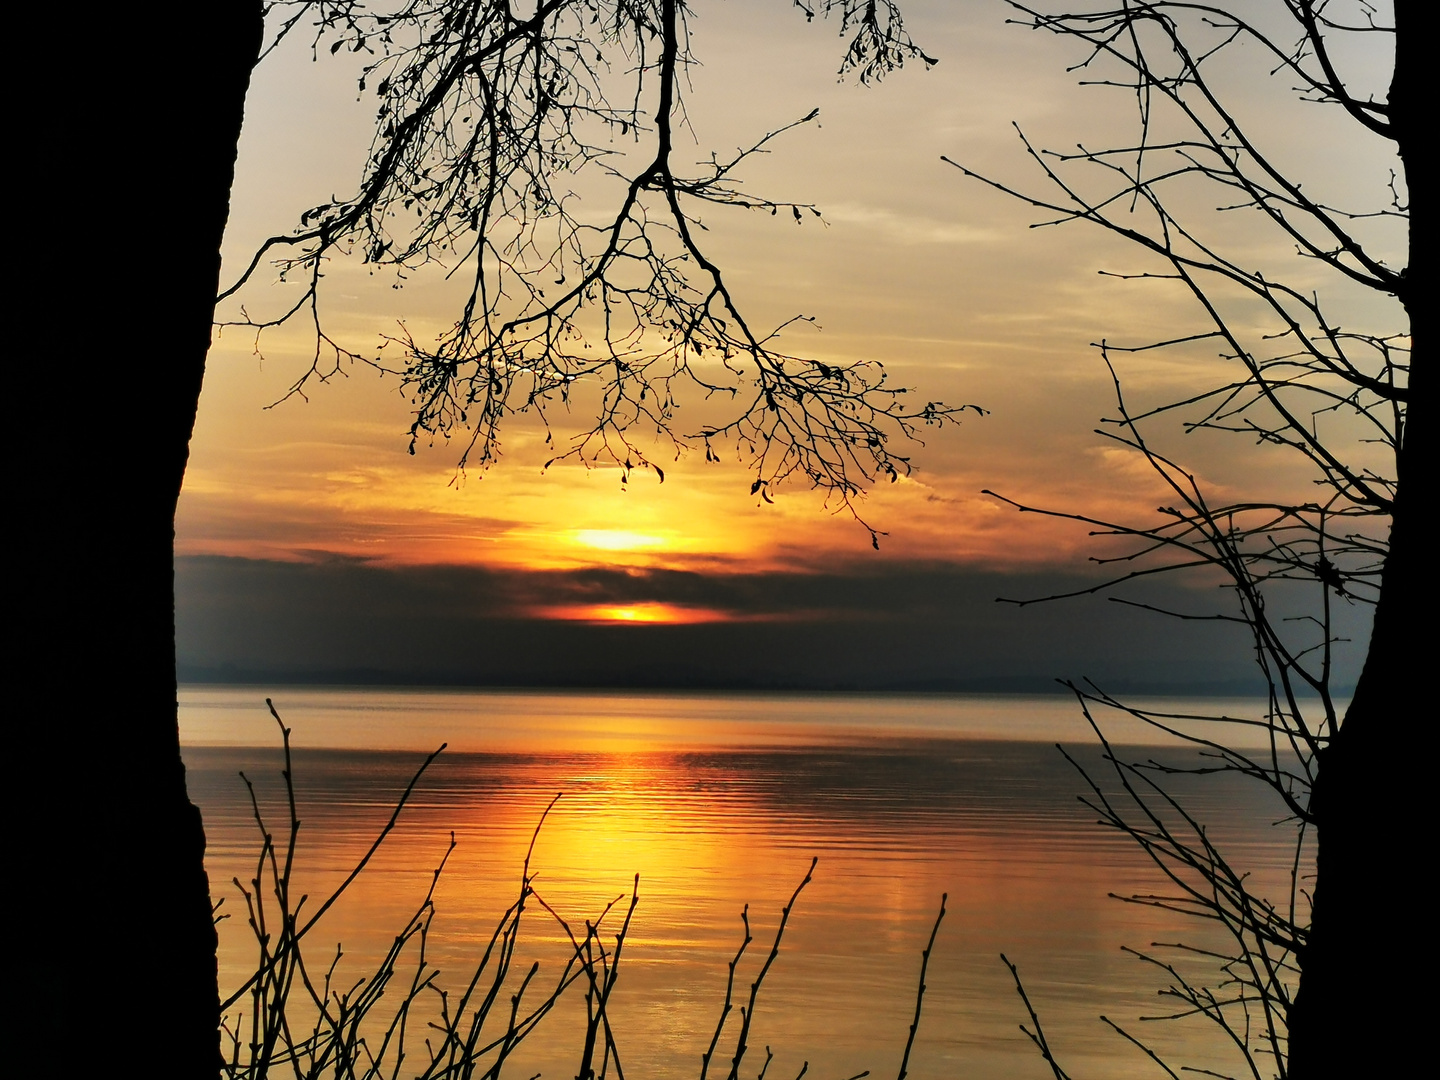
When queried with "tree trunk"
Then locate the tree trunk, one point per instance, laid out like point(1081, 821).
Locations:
point(1358, 1010)
point(131, 180)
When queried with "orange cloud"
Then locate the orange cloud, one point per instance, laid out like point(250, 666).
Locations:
point(943, 282)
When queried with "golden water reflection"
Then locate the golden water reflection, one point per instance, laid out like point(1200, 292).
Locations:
point(531, 721)
point(894, 823)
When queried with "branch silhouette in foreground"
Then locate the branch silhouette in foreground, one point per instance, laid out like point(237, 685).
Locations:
point(491, 126)
point(293, 1020)
point(1229, 219)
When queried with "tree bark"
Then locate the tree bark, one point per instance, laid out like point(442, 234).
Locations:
point(135, 158)
point(1358, 1009)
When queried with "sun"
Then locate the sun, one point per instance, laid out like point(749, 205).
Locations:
point(633, 614)
point(617, 540)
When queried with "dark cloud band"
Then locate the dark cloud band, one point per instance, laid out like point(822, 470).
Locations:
point(902, 627)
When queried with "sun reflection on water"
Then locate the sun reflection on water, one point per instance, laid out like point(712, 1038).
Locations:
point(710, 830)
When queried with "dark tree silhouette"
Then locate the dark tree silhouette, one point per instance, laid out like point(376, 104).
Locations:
point(1316, 980)
point(485, 110)
point(133, 149)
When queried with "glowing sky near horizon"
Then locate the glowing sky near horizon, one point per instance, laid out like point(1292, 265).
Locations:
point(937, 277)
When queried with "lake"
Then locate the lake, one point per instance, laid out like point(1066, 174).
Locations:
point(719, 801)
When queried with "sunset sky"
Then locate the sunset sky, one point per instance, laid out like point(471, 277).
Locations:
point(913, 265)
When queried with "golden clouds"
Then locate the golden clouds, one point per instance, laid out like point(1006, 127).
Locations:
point(942, 282)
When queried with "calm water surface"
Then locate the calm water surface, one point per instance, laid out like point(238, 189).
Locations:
point(717, 802)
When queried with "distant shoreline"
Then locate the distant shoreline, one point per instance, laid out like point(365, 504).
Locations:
point(997, 685)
